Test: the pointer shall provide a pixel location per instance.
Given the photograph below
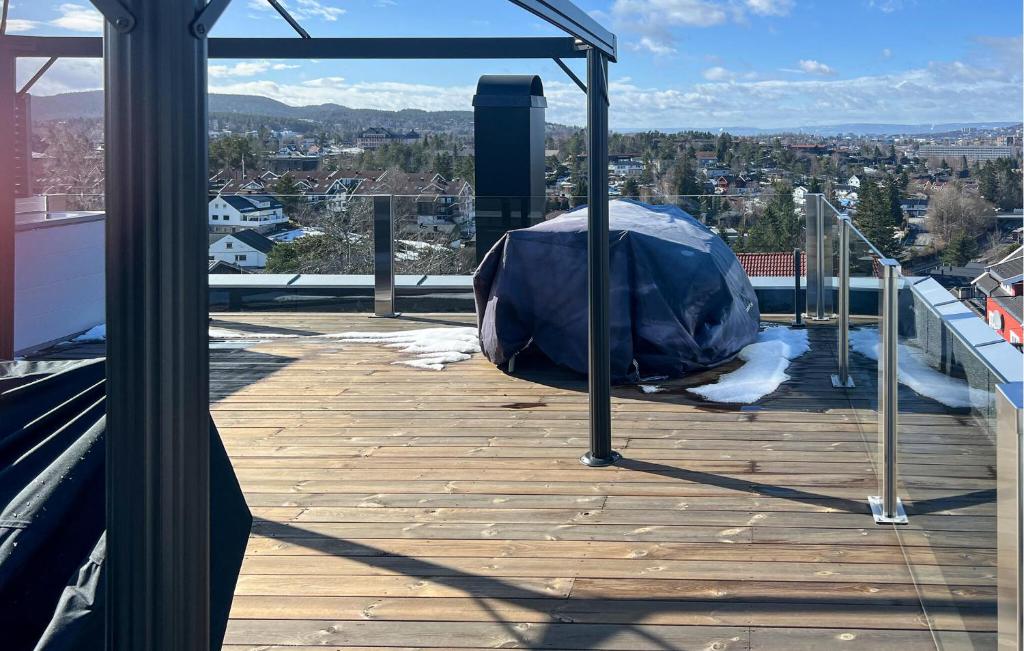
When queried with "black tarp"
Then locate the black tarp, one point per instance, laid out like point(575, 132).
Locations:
point(680, 300)
point(52, 486)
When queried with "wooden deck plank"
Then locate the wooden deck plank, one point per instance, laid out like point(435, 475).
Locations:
point(406, 509)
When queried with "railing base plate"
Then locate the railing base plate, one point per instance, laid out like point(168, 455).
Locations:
point(599, 462)
point(836, 384)
point(386, 316)
point(900, 517)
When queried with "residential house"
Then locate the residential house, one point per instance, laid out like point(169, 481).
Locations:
point(229, 213)
point(853, 181)
point(246, 249)
point(706, 159)
point(626, 167)
point(916, 206)
point(1003, 287)
point(778, 264)
point(377, 137)
point(799, 195)
point(441, 205)
point(291, 160)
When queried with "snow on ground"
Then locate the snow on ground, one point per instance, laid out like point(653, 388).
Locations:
point(766, 361)
point(431, 348)
point(915, 372)
point(296, 233)
point(223, 333)
point(92, 335)
point(99, 333)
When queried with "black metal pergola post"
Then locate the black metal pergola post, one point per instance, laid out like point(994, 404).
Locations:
point(156, 53)
point(599, 352)
point(158, 462)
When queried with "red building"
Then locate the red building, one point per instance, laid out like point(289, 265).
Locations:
point(1003, 287)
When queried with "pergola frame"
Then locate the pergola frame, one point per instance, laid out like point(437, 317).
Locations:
point(155, 58)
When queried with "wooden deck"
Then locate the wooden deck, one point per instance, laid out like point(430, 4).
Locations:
point(408, 509)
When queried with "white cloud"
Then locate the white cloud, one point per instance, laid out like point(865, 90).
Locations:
point(654, 46)
point(886, 53)
point(812, 67)
point(247, 68)
point(66, 76)
point(770, 7)
point(21, 25)
point(78, 18)
point(302, 9)
point(654, 19)
point(717, 73)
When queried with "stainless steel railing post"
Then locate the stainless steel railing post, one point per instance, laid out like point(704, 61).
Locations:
point(819, 253)
point(1009, 517)
point(887, 507)
point(842, 378)
point(798, 316)
point(383, 256)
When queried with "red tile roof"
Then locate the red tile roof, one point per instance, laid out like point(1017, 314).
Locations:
point(771, 264)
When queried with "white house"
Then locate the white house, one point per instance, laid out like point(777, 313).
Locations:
point(247, 249)
point(854, 182)
point(229, 213)
point(626, 167)
point(799, 195)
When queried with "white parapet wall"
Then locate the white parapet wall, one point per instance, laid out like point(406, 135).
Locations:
point(59, 285)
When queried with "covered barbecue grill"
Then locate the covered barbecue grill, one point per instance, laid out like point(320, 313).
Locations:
point(680, 301)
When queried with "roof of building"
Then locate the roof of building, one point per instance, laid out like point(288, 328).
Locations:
point(222, 267)
point(254, 240)
point(771, 264)
point(247, 202)
point(1014, 306)
point(1008, 271)
point(986, 284)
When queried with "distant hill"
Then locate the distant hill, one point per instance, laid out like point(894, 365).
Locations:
point(864, 129)
point(89, 104)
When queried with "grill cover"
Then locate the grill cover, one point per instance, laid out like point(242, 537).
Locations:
point(52, 510)
point(680, 301)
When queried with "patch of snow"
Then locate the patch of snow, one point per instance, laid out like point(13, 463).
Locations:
point(432, 348)
point(650, 388)
point(297, 233)
point(92, 335)
point(915, 372)
point(222, 333)
point(765, 369)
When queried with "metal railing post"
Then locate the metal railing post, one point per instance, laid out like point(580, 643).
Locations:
point(798, 317)
point(887, 507)
point(842, 379)
point(819, 256)
point(1009, 500)
point(383, 257)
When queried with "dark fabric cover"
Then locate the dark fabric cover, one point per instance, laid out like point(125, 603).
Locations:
point(52, 545)
point(680, 301)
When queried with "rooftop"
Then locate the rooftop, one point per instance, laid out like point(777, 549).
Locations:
point(399, 507)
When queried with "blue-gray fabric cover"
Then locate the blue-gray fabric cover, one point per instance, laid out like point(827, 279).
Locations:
point(680, 300)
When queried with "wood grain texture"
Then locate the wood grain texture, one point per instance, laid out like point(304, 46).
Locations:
point(406, 509)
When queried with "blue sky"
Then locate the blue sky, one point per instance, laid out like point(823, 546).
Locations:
point(683, 63)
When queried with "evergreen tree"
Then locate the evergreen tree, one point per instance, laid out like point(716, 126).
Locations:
point(960, 250)
point(631, 189)
point(876, 218)
point(287, 191)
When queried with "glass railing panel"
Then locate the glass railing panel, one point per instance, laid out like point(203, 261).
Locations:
point(947, 466)
point(864, 341)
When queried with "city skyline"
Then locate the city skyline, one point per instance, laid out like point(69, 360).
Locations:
point(682, 63)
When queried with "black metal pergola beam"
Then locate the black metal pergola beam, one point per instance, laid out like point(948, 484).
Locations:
point(557, 47)
point(566, 16)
